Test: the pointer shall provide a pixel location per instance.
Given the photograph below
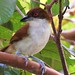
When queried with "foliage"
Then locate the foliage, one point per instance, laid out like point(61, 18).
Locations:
point(10, 23)
point(6, 10)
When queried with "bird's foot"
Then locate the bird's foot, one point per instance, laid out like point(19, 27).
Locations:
point(41, 63)
point(24, 57)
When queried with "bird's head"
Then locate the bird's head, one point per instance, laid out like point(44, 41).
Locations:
point(36, 13)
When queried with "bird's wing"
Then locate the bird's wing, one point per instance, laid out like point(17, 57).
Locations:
point(22, 32)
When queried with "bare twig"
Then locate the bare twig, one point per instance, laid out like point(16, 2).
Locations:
point(60, 16)
point(51, 4)
point(65, 10)
point(39, 2)
point(17, 8)
point(33, 67)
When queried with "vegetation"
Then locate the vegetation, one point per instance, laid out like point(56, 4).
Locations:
point(10, 23)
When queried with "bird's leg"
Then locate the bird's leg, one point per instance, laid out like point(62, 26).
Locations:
point(24, 57)
point(40, 62)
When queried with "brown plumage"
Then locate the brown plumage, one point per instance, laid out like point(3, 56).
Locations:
point(22, 32)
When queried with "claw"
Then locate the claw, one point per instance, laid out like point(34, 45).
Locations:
point(24, 57)
point(42, 67)
point(43, 70)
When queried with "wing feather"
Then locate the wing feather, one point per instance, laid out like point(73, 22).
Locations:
point(22, 32)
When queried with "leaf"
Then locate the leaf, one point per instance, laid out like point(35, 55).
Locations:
point(66, 2)
point(7, 73)
point(71, 51)
point(25, 4)
point(55, 7)
point(50, 55)
point(50, 51)
point(20, 7)
point(71, 65)
point(14, 71)
point(5, 33)
point(8, 25)
point(6, 10)
point(72, 69)
point(34, 4)
point(1, 70)
point(44, 2)
point(27, 73)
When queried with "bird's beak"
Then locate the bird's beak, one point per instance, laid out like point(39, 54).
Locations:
point(24, 19)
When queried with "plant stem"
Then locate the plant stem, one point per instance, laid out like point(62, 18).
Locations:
point(19, 11)
point(62, 57)
point(60, 16)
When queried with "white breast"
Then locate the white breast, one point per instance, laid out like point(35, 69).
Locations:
point(39, 33)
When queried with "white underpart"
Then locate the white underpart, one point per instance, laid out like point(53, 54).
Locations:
point(39, 33)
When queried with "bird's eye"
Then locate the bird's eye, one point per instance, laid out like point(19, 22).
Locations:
point(36, 14)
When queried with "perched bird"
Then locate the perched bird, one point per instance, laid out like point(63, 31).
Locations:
point(33, 36)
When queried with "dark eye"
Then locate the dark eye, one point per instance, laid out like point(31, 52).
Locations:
point(36, 14)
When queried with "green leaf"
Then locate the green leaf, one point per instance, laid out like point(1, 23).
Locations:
point(15, 19)
point(71, 51)
point(34, 4)
point(7, 73)
point(15, 71)
point(6, 10)
point(50, 51)
point(8, 25)
point(5, 33)
point(55, 7)
point(25, 4)
point(66, 2)
point(27, 73)
point(20, 7)
point(72, 69)
point(1, 70)
point(71, 65)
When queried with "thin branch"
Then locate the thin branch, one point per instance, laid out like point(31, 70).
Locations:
point(39, 2)
point(33, 67)
point(60, 16)
point(20, 12)
point(53, 2)
point(65, 10)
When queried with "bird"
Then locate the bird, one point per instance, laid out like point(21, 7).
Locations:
point(33, 36)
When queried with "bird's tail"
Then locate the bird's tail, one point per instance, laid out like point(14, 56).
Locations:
point(8, 49)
